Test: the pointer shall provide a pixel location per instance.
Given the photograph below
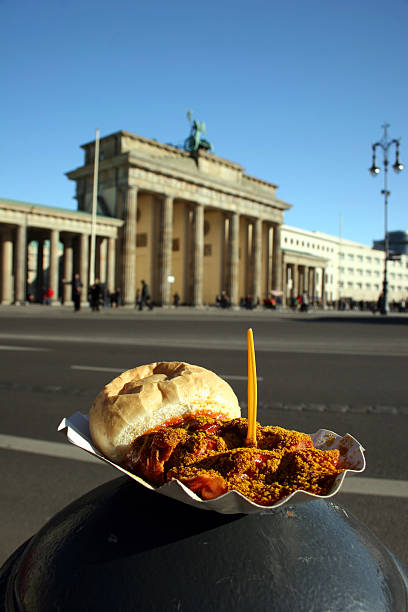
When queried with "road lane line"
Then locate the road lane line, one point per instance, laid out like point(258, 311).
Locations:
point(103, 369)
point(60, 450)
point(371, 349)
point(358, 485)
point(11, 347)
point(97, 368)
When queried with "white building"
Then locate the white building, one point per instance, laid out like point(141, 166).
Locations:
point(344, 269)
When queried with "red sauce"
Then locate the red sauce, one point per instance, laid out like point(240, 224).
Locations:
point(177, 421)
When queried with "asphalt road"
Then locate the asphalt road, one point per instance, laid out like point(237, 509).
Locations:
point(343, 372)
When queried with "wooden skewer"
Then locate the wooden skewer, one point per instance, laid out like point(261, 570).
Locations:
point(252, 392)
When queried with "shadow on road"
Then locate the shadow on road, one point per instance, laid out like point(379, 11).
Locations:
point(374, 320)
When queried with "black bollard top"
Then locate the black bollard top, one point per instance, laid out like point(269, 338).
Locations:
point(124, 548)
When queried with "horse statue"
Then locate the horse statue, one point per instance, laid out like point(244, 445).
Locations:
point(195, 141)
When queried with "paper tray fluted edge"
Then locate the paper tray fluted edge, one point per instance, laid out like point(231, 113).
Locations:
point(76, 428)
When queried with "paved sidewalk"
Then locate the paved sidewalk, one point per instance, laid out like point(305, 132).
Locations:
point(60, 311)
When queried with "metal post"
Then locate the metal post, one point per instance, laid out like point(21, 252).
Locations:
point(94, 211)
point(385, 144)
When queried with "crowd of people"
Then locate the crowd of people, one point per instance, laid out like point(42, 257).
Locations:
point(99, 297)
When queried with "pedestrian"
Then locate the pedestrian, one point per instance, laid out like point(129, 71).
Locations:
point(139, 304)
point(176, 299)
point(50, 295)
point(115, 298)
point(305, 302)
point(76, 285)
point(95, 294)
point(145, 297)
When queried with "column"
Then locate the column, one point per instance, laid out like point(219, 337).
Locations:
point(53, 271)
point(295, 280)
point(323, 287)
point(277, 258)
point(166, 250)
point(234, 259)
point(268, 271)
point(287, 288)
point(21, 264)
point(68, 270)
point(257, 260)
point(84, 265)
point(198, 255)
point(39, 286)
point(102, 258)
point(129, 246)
point(111, 264)
point(6, 267)
point(313, 283)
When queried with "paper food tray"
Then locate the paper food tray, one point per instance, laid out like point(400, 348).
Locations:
point(76, 428)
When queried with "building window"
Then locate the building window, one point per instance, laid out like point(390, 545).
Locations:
point(176, 244)
point(141, 240)
point(207, 250)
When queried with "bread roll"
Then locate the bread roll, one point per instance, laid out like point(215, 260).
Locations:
point(144, 397)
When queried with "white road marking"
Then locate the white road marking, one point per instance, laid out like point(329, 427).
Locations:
point(355, 484)
point(10, 347)
point(97, 368)
point(103, 369)
point(371, 347)
point(43, 447)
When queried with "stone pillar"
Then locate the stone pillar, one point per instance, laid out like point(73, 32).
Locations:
point(166, 250)
point(288, 287)
point(311, 284)
point(102, 258)
point(234, 259)
point(6, 267)
point(198, 246)
point(21, 264)
point(277, 258)
point(129, 246)
point(268, 257)
point(110, 281)
point(68, 270)
point(39, 286)
point(295, 280)
point(53, 270)
point(84, 266)
point(323, 287)
point(257, 260)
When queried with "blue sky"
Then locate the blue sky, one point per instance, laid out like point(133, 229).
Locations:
point(294, 91)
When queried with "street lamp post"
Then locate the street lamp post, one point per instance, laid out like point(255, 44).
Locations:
point(385, 145)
